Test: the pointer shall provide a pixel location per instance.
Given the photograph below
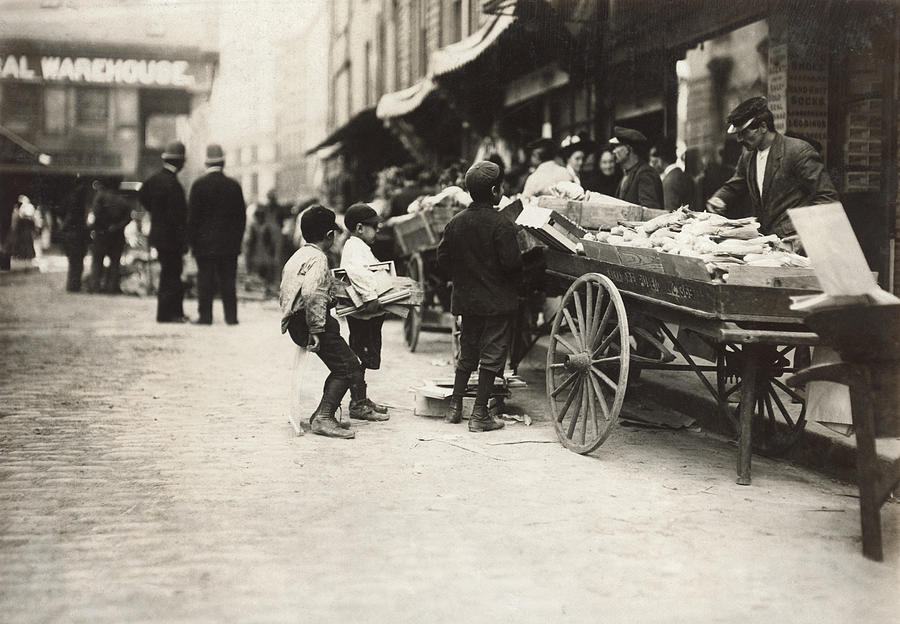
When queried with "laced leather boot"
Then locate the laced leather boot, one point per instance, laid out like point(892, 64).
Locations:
point(481, 420)
point(323, 422)
point(361, 408)
point(454, 415)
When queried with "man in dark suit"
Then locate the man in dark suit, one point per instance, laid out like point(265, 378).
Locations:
point(640, 183)
point(678, 187)
point(163, 197)
point(792, 171)
point(216, 222)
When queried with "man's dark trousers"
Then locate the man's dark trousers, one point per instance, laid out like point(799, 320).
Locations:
point(333, 350)
point(106, 245)
point(215, 271)
point(170, 294)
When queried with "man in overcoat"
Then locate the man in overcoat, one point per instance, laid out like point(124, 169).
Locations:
point(216, 219)
point(640, 184)
point(774, 172)
point(163, 197)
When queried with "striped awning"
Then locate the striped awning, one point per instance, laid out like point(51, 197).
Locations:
point(457, 55)
point(405, 101)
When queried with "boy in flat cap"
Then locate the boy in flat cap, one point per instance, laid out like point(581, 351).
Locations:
point(480, 254)
point(640, 184)
point(361, 222)
point(305, 300)
point(775, 172)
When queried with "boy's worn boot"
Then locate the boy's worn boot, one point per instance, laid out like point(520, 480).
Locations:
point(454, 415)
point(481, 420)
point(360, 408)
point(322, 422)
point(378, 408)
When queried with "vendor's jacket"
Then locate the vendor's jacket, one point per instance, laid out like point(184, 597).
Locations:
point(641, 185)
point(480, 255)
point(305, 287)
point(794, 176)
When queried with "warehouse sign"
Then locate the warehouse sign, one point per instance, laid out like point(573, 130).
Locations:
point(137, 72)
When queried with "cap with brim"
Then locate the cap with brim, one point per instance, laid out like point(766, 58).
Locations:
point(732, 129)
point(626, 136)
point(360, 213)
point(214, 154)
point(174, 151)
point(745, 113)
point(575, 143)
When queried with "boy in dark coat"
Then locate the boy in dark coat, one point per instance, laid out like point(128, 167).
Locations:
point(216, 220)
point(480, 254)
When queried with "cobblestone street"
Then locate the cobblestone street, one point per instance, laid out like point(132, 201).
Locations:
point(148, 473)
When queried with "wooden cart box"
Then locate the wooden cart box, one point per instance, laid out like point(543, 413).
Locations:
point(594, 215)
point(704, 298)
point(413, 232)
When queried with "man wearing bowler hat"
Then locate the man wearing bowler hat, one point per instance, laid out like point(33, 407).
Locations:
point(640, 184)
point(774, 172)
point(163, 197)
point(216, 221)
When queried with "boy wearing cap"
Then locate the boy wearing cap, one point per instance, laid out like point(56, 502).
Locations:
point(361, 222)
point(640, 184)
point(480, 254)
point(775, 172)
point(305, 300)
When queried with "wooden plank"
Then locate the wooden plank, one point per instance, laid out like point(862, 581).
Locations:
point(647, 259)
point(774, 277)
point(596, 215)
point(600, 251)
point(684, 267)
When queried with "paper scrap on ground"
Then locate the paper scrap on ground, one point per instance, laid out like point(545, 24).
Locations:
point(657, 418)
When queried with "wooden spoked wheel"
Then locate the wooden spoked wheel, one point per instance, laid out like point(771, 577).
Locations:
point(412, 324)
point(587, 363)
point(776, 425)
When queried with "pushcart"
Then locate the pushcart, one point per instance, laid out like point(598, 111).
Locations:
point(609, 310)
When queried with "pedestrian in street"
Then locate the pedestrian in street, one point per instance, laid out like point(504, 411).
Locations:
point(261, 246)
point(217, 216)
point(111, 216)
point(774, 173)
point(573, 150)
point(606, 176)
point(361, 222)
point(640, 184)
point(480, 255)
point(75, 233)
point(22, 231)
point(305, 304)
point(163, 197)
point(678, 187)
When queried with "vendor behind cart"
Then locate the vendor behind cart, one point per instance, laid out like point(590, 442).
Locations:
point(793, 172)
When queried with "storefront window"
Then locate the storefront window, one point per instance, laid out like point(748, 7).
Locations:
point(91, 107)
point(55, 110)
point(21, 107)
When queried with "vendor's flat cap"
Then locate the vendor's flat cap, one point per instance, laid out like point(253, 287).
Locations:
point(482, 176)
point(360, 213)
point(626, 136)
point(746, 113)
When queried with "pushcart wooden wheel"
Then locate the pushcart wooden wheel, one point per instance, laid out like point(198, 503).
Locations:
point(412, 324)
point(587, 363)
point(776, 426)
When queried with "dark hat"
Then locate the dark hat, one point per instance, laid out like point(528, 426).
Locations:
point(482, 176)
point(575, 143)
point(746, 113)
point(626, 136)
point(214, 154)
point(174, 151)
point(360, 213)
point(317, 221)
point(542, 143)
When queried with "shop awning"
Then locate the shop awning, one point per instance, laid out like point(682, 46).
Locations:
point(361, 124)
point(457, 55)
point(405, 101)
